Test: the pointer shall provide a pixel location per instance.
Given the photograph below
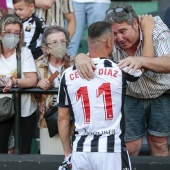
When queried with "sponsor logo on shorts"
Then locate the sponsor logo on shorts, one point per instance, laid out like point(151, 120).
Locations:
point(107, 132)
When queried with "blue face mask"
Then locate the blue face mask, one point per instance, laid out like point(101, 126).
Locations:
point(10, 42)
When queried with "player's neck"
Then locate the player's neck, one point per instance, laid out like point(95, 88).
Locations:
point(98, 53)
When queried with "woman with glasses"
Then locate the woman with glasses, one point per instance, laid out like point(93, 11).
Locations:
point(55, 41)
point(11, 41)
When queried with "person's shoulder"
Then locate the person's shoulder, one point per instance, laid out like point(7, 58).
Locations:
point(160, 29)
point(26, 53)
point(38, 18)
point(159, 23)
point(25, 50)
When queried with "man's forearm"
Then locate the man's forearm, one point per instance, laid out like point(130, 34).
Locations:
point(159, 65)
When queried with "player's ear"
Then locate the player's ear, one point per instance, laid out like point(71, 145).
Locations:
point(108, 42)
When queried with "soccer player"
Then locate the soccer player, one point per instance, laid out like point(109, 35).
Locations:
point(97, 106)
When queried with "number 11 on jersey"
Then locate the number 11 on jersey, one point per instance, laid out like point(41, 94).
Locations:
point(104, 89)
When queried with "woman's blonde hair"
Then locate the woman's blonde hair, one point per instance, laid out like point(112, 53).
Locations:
point(12, 19)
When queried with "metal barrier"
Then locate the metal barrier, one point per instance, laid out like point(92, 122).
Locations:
point(17, 92)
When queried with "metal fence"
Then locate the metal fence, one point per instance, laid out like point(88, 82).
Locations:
point(17, 92)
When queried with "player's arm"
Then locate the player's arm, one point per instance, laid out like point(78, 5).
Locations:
point(64, 129)
point(44, 4)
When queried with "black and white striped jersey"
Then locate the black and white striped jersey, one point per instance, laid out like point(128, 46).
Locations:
point(33, 31)
point(97, 106)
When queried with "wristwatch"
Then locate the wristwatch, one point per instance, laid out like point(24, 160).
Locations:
point(16, 82)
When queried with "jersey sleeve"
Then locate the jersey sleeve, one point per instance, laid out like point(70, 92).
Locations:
point(137, 74)
point(40, 24)
point(62, 99)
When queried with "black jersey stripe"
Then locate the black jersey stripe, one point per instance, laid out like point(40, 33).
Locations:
point(80, 143)
point(110, 143)
point(95, 143)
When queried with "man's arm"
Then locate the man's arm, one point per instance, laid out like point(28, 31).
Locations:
point(85, 66)
point(158, 64)
point(147, 24)
point(64, 129)
point(44, 4)
point(71, 23)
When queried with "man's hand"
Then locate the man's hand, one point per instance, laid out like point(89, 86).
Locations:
point(133, 63)
point(147, 24)
point(85, 66)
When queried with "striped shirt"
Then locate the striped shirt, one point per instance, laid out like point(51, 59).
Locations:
point(97, 106)
point(33, 30)
point(54, 15)
point(150, 85)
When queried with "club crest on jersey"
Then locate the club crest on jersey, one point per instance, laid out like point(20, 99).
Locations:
point(28, 28)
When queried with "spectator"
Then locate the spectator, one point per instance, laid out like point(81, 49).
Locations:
point(33, 26)
point(11, 46)
point(55, 41)
point(146, 104)
point(86, 12)
point(99, 117)
point(54, 11)
point(3, 8)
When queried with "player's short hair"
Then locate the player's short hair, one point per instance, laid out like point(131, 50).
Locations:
point(26, 1)
point(99, 30)
point(121, 12)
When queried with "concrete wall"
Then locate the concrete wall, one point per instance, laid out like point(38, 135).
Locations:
point(45, 162)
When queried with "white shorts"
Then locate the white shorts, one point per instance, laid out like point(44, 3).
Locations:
point(101, 161)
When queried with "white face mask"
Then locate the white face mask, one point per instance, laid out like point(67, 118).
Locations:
point(10, 42)
point(58, 50)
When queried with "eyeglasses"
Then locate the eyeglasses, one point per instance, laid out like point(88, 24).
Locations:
point(117, 10)
point(49, 45)
point(9, 34)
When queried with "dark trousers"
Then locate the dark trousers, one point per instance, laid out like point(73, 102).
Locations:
point(27, 129)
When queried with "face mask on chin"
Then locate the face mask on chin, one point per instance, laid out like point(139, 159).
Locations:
point(10, 42)
point(58, 50)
